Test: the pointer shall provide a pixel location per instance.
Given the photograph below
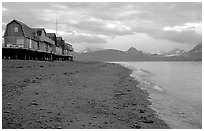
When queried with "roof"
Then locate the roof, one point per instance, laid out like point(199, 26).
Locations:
point(60, 42)
point(31, 33)
point(59, 39)
point(68, 47)
point(39, 29)
point(28, 32)
point(51, 34)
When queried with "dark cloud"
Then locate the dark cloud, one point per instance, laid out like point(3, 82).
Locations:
point(189, 37)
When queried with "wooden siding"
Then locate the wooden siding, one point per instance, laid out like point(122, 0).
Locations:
point(53, 37)
point(54, 49)
point(45, 39)
point(14, 29)
point(19, 35)
point(58, 50)
point(41, 32)
point(60, 42)
point(49, 48)
point(33, 45)
point(15, 42)
point(42, 47)
point(20, 42)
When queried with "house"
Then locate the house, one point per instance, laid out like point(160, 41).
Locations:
point(19, 35)
point(68, 49)
point(60, 43)
point(23, 42)
point(45, 44)
point(53, 37)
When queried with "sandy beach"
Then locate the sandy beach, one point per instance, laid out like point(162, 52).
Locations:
point(73, 95)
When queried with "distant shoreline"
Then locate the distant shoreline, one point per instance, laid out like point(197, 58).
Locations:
point(73, 95)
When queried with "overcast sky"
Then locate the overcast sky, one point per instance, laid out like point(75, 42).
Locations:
point(150, 27)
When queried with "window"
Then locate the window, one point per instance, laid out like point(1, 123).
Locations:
point(39, 33)
point(14, 29)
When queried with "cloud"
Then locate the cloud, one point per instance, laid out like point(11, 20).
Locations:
point(80, 21)
point(197, 27)
point(90, 22)
point(189, 37)
point(146, 43)
point(85, 39)
point(129, 13)
point(3, 28)
point(109, 28)
point(59, 6)
point(80, 37)
point(4, 9)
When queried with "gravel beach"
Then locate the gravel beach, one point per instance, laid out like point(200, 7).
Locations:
point(73, 95)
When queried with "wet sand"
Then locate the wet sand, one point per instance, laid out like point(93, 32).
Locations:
point(73, 95)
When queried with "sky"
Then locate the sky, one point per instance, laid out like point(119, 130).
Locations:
point(150, 27)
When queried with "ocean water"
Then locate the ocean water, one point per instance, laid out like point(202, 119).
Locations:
point(175, 90)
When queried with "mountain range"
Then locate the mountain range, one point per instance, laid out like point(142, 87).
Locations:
point(175, 52)
point(132, 54)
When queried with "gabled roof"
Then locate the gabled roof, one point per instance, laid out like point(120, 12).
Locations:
point(59, 39)
point(68, 46)
point(60, 42)
point(27, 31)
point(51, 35)
point(31, 33)
point(39, 29)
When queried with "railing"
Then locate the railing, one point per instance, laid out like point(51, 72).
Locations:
point(45, 39)
point(28, 44)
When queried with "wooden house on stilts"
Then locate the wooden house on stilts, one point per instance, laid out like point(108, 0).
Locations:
point(24, 42)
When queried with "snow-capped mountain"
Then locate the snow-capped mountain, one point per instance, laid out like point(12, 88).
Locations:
point(176, 52)
point(133, 54)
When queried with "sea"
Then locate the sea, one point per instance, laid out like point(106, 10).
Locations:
point(175, 90)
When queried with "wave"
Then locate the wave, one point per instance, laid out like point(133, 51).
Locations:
point(157, 87)
point(142, 76)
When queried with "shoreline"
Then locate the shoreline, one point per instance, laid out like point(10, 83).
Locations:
point(145, 88)
point(170, 107)
point(73, 95)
